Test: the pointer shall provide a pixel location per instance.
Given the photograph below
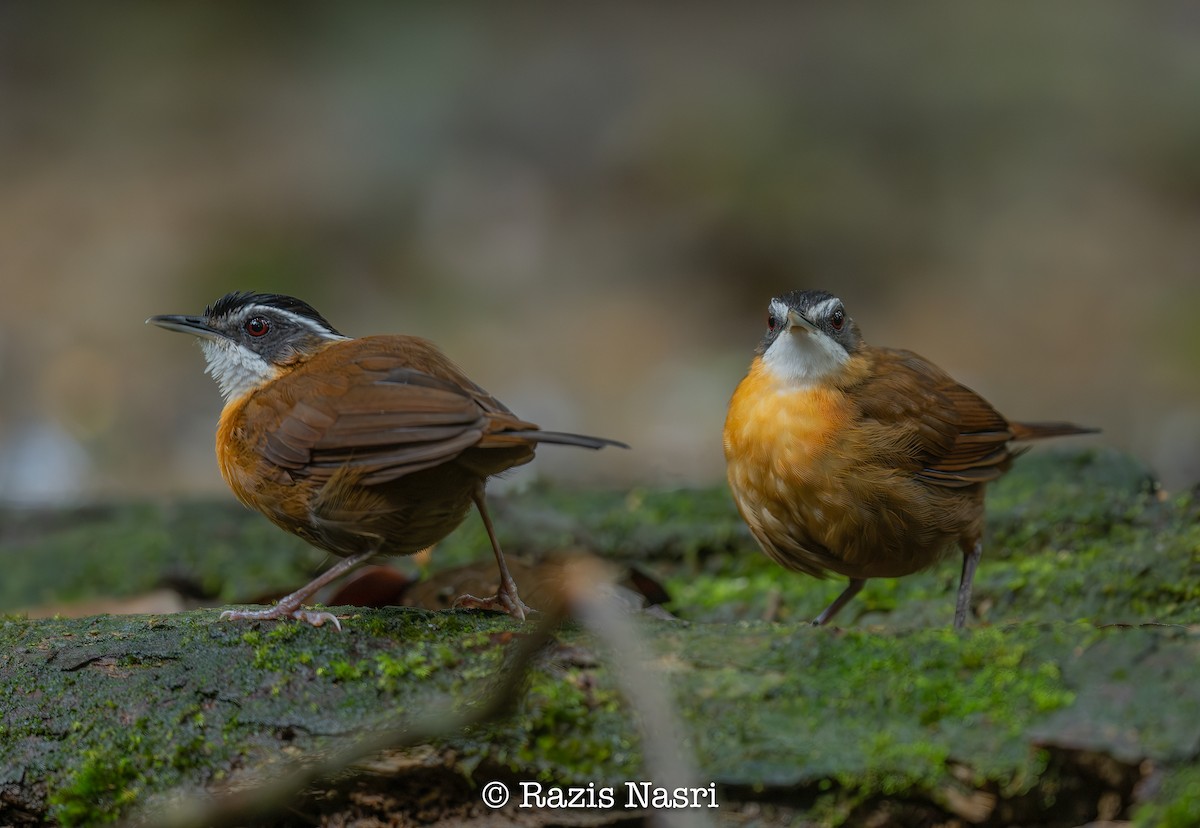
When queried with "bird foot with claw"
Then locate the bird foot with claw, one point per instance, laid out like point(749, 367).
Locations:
point(278, 612)
point(503, 601)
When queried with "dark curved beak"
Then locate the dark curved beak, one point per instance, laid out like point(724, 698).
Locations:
point(194, 325)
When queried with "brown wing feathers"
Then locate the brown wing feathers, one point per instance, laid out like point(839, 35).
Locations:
point(962, 440)
point(401, 421)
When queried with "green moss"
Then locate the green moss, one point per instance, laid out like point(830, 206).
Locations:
point(99, 729)
point(100, 787)
point(117, 713)
point(391, 670)
point(850, 716)
point(218, 548)
point(879, 713)
point(342, 671)
point(419, 664)
point(1177, 804)
point(276, 648)
point(570, 728)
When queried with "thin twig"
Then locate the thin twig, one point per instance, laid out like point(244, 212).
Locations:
point(664, 752)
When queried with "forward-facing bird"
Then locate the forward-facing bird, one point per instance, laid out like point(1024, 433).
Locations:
point(859, 460)
point(363, 447)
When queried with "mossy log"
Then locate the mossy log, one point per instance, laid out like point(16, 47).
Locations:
point(1074, 696)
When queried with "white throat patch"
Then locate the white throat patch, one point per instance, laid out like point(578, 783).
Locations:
point(800, 356)
point(237, 370)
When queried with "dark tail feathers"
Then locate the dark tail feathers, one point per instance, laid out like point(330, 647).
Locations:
point(1038, 431)
point(561, 438)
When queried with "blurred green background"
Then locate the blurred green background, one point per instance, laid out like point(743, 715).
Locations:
point(588, 207)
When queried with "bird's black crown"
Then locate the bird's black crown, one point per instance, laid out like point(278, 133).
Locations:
point(231, 303)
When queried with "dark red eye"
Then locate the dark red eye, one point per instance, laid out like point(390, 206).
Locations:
point(257, 326)
point(837, 319)
point(772, 322)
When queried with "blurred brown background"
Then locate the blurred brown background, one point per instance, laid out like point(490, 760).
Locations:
point(588, 209)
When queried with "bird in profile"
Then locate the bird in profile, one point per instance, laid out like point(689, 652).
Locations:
point(366, 447)
point(859, 460)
